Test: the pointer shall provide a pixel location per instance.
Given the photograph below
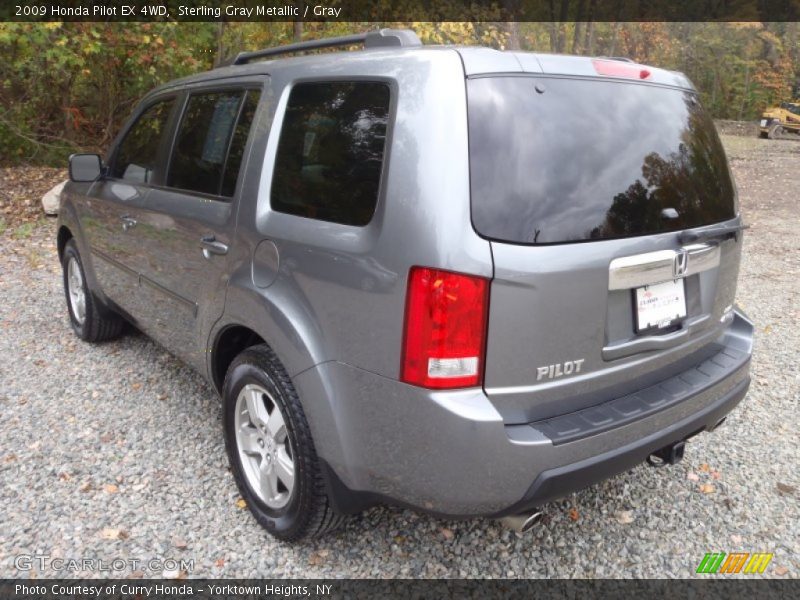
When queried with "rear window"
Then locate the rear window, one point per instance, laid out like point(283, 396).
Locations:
point(792, 108)
point(567, 160)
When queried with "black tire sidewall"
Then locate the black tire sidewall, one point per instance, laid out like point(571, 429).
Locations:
point(285, 521)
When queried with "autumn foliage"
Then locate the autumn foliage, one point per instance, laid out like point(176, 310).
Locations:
point(69, 86)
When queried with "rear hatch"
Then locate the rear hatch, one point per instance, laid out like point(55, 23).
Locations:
point(586, 187)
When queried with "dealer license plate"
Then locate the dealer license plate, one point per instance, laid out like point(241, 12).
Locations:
point(660, 305)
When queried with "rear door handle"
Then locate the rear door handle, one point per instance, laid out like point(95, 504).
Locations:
point(211, 246)
point(127, 222)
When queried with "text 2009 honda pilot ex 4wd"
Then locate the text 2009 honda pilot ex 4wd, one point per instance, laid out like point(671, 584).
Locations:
point(456, 279)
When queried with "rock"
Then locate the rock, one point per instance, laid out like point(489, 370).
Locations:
point(624, 517)
point(51, 201)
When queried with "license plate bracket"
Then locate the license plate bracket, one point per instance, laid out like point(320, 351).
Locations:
point(660, 306)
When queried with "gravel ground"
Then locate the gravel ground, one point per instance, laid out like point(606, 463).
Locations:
point(115, 451)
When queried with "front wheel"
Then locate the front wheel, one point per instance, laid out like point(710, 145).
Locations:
point(270, 449)
point(90, 321)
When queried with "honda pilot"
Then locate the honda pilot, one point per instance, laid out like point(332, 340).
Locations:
point(456, 279)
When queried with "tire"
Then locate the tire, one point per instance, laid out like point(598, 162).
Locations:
point(775, 132)
point(90, 321)
point(289, 508)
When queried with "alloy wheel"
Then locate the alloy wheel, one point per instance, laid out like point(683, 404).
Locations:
point(262, 440)
point(77, 290)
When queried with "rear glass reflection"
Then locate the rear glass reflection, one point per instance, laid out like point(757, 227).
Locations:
point(591, 160)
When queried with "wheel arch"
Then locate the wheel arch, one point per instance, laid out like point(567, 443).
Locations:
point(229, 342)
point(281, 318)
point(64, 235)
point(70, 228)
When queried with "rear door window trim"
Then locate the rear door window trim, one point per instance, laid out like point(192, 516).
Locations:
point(185, 97)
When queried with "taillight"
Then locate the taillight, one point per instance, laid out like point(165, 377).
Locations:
point(445, 329)
point(616, 68)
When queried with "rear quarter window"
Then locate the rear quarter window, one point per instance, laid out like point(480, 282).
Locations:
point(330, 152)
point(556, 160)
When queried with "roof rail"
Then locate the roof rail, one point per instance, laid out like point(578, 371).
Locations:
point(383, 38)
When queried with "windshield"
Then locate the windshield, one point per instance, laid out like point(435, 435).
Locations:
point(793, 108)
point(556, 160)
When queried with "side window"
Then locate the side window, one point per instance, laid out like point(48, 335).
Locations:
point(236, 151)
point(201, 146)
point(330, 151)
point(137, 154)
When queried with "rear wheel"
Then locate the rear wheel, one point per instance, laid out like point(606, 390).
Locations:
point(89, 320)
point(271, 451)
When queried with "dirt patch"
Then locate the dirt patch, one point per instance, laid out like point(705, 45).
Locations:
point(743, 128)
point(21, 191)
point(767, 179)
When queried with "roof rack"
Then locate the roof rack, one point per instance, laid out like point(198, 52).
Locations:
point(383, 38)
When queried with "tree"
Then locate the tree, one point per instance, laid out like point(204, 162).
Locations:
point(68, 86)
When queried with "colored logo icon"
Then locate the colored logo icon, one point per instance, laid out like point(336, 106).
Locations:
point(737, 562)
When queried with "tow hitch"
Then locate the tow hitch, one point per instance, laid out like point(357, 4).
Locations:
point(668, 455)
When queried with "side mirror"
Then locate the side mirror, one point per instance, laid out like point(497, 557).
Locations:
point(85, 167)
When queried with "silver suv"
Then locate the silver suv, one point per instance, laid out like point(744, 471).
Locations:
point(457, 279)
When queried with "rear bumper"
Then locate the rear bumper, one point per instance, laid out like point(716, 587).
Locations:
point(450, 453)
point(560, 481)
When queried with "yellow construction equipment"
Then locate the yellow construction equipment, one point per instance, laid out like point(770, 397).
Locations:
point(779, 120)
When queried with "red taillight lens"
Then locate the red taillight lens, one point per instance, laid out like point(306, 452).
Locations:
point(445, 329)
point(615, 68)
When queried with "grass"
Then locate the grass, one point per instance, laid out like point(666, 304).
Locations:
point(23, 231)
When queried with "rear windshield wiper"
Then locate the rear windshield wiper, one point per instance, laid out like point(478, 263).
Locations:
point(724, 232)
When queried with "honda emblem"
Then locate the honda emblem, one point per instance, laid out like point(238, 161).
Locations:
point(680, 263)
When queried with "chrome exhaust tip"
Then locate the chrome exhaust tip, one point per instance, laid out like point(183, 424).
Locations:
point(522, 523)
